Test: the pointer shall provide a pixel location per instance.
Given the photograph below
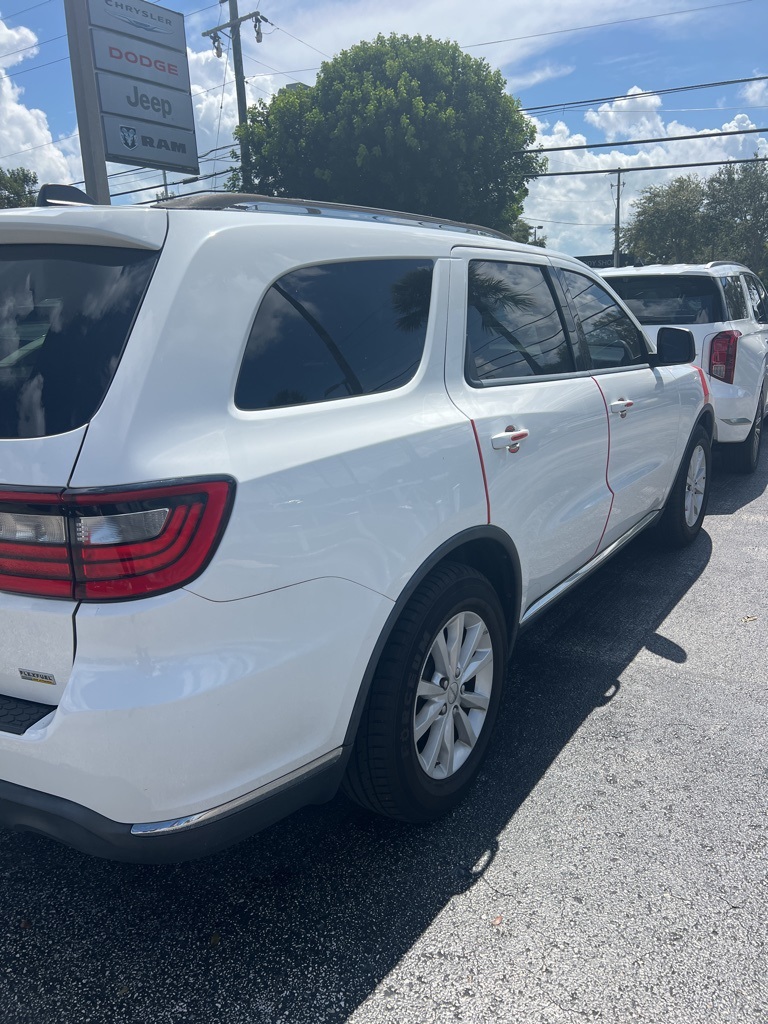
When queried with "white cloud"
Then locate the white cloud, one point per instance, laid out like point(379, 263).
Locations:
point(24, 131)
point(544, 73)
point(578, 211)
point(755, 92)
point(635, 116)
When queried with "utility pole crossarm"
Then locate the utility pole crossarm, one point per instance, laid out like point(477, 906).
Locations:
point(236, 21)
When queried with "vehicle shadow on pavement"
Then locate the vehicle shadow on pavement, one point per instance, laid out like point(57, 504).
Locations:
point(301, 923)
point(732, 491)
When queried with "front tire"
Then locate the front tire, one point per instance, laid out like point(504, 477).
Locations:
point(687, 503)
point(434, 699)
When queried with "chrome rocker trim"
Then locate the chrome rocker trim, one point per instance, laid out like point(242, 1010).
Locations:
point(561, 589)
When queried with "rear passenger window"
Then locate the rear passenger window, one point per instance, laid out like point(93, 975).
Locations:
point(334, 331)
point(734, 298)
point(513, 324)
point(611, 337)
point(758, 298)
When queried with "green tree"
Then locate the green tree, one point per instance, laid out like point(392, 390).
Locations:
point(667, 225)
point(403, 122)
point(736, 215)
point(18, 187)
point(694, 220)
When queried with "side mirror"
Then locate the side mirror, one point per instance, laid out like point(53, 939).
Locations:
point(674, 346)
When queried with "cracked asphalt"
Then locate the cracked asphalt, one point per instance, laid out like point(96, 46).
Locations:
point(610, 864)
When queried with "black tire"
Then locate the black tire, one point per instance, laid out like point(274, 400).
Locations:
point(744, 456)
point(683, 515)
point(386, 773)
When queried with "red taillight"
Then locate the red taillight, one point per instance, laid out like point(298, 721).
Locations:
point(722, 355)
point(110, 544)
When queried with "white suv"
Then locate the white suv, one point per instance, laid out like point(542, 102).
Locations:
point(725, 306)
point(279, 484)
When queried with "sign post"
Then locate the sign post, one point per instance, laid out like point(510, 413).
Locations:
point(132, 89)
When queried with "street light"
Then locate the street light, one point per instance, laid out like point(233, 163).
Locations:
point(538, 227)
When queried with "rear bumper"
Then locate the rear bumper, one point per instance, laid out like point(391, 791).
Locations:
point(177, 708)
point(27, 810)
point(734, 411)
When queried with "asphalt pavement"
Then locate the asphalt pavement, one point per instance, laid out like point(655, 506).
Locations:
point(611, 863)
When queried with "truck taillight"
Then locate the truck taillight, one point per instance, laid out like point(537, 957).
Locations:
point(722, 355)
point(110, 544)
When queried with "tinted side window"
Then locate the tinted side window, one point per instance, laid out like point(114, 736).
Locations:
point(734, 298)
point(65, 315)
point(513, 325)
point(336, 330)
point(612, 339)
point(758, 298)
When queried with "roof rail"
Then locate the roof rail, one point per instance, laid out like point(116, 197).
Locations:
point(307, 207)
point(727, 263)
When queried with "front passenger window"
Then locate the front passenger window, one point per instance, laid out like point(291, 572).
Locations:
point(758, 298)
point(611, 337)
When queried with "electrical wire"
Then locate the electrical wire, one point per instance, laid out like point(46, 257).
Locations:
point(652, 167)
point(53, 142)
point(36, 67)
point(302, 41)
point(605, 24)
point(640, 142)
point(17, 14)
point(573, 104)
point(32, 46)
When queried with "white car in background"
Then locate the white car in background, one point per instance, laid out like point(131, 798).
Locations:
point(725, 306)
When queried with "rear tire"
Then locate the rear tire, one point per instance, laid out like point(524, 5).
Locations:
point(744, 456)
point(434, 699)
point(687, 502)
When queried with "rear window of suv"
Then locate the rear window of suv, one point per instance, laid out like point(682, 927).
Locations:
point(336, 330)
point(65, 315)
point(671, 299)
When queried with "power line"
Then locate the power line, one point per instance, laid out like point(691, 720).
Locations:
point(571, 104)
point(17, 14)
point(302, 41)
point(37, 67)
point(640, 142)
point(606, 24)
point(53, 142)
point(32, 46)
point(652, 167)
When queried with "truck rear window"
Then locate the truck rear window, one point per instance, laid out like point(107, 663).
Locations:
point(671, 299)
point(65, 315)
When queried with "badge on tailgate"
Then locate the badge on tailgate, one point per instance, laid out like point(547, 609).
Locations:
point(37, 677)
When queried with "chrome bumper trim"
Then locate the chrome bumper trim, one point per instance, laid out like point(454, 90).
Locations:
point(161, 828)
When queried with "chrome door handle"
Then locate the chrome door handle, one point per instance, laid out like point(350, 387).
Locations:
point(621, 405)
point(510, 440)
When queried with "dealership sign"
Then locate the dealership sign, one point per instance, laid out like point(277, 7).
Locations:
point(132, 64)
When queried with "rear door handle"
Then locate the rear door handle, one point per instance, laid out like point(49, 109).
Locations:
point(621, 405)
point(510, 440)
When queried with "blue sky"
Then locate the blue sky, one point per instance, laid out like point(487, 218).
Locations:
point(551, 52)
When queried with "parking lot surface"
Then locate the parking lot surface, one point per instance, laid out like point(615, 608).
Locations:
point(610, 865)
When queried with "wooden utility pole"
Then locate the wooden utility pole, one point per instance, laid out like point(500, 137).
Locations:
point(234, 23)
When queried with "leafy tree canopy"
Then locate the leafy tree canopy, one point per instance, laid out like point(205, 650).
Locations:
point(695, 220)
point(403, 122)
point(18, 187)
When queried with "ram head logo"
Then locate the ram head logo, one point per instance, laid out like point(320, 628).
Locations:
point(128, 135)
